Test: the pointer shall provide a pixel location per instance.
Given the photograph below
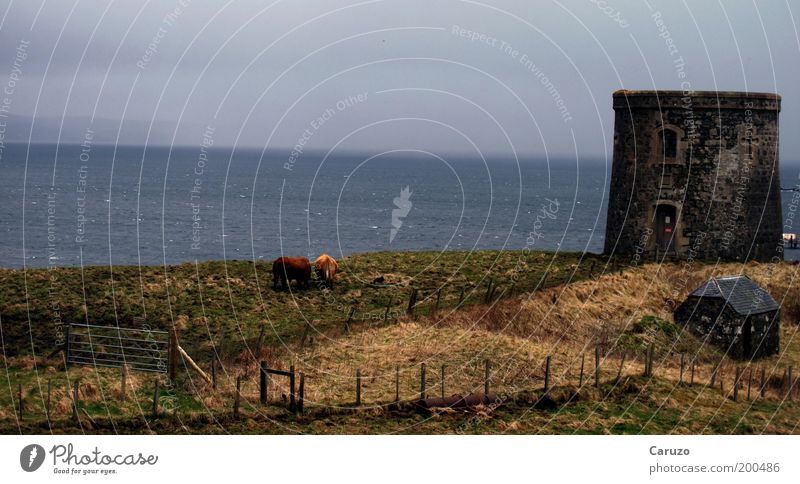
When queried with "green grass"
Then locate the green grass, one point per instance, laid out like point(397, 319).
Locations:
point(237, 302)
point(227, 303)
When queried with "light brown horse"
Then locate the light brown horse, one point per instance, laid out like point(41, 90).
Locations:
point(326, 266)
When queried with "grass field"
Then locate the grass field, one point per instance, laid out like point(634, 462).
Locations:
point(584, 301)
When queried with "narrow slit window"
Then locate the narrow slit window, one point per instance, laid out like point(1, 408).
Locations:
point(669, 139)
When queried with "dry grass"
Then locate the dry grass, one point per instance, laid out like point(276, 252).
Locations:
point(518, 333)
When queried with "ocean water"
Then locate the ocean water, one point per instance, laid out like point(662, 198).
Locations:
point(69, 205)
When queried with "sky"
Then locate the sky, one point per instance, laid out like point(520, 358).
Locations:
point(500, 78)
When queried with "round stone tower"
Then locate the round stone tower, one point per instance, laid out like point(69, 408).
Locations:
point(695, 176)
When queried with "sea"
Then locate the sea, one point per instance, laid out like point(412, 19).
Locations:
point(71, 205)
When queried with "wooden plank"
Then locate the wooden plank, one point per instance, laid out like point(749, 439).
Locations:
point(273, 371)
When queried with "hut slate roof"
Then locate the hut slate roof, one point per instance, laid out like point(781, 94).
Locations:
point(740, 292)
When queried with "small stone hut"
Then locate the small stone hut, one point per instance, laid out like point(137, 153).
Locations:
point(734, 314)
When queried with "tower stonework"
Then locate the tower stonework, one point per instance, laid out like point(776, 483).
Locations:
point(695, 176)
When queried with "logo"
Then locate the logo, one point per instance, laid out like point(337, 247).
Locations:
point(31, 457)
point(403, 204)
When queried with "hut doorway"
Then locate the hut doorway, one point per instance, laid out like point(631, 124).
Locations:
point(747, 338)
point(665, 227)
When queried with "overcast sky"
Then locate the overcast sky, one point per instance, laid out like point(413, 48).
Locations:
point(447, 76)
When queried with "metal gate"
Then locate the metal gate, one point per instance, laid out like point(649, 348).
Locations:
point(112, 346)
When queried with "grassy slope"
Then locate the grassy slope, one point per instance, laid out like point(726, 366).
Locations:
point(515, 333)
point(229, 302)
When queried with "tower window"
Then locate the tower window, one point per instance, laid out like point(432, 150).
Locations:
point(669, 143)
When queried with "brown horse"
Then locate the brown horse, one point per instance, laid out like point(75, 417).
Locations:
point(286, 269)
point(326, 266)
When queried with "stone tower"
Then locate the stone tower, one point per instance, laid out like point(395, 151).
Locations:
point(695, 176)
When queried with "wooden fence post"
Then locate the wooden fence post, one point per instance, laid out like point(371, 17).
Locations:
point(789, 383)
point(173, 353)
point(349, 318)
point(49, 391)
point(292, 405)
point(358, 387)
point(621, 366)
point(714, 375)
point(583, 361)
point(442, 381)
point(75, 397)
point(303, 337)
point(302, 393)
point(66, 349)
point(397, 383)
point(694, 364)
point(214, 372)
point(763, 386)
point(438, 298)
point(597, 366)
point(237, 398)
point(749, 382)
point(123, 386)
point(546, 374)
point(386, 313)
point(262, 382)
point(488, 291)
point(412, 302)
point(260, 341)
point(461, 297)
point(736, 384)
point(21, 402)
point(683, 364)
point(155, 397)
point(487, 377)
point(422, 382)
